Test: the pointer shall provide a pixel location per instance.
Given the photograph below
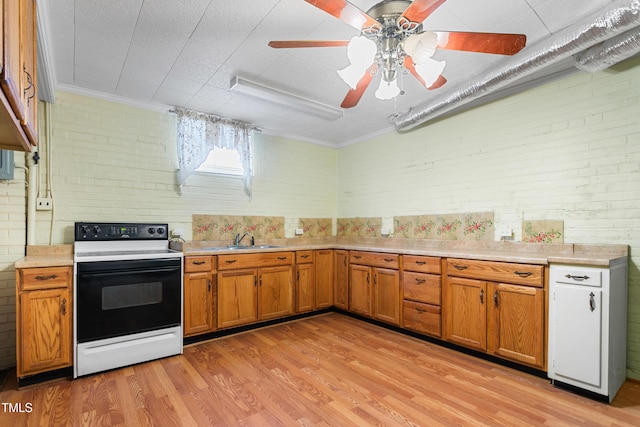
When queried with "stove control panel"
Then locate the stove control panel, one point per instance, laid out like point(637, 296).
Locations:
point(87, 231)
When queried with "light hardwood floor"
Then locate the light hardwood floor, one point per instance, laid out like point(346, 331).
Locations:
point(329, 370)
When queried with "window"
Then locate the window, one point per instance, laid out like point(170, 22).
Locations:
point(211, 144)
point(224, 161)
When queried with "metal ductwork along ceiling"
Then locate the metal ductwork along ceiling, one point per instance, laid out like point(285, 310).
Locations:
point(612, 34)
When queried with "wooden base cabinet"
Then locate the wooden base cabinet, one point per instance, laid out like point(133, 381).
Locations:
point(422, 290)
point(199, 295)
point(374, 289)
point(341, 287)
point(323, 263)
point(44, 316)
point(499, 318)
point(305, 282)
point(254, 287)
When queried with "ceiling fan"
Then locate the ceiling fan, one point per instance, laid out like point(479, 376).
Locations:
point(392, 39)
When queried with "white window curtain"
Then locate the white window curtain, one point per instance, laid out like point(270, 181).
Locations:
point(199, 133)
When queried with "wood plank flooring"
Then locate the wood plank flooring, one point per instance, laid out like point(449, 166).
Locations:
point(329, 370)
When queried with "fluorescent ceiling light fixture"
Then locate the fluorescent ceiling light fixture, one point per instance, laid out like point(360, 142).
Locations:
point(286, 99)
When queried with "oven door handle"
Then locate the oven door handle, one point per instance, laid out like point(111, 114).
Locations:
point(120, 272)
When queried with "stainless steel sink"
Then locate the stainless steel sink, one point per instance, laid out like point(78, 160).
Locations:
point(239, 247)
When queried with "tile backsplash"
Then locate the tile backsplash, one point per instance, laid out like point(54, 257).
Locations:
point(468, 226)
point(225, 227)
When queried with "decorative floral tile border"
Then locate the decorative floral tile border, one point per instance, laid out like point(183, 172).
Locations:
point(225, 227)
point(359, 227)
point(316, 227)
point(468, 226)
point(543, 231)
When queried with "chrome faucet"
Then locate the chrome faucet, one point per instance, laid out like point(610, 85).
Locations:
point(238, 239)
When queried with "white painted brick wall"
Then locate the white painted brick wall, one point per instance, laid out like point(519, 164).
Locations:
point(569, 150)
point(12, 244)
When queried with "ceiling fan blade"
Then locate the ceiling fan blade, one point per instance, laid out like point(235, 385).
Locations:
point(419, 10)
point(346, 12)
point(354, 95)
point(285, 44)
point(500, 44)
point(409, 65)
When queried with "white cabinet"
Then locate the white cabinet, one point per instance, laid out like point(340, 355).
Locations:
point(588, 327)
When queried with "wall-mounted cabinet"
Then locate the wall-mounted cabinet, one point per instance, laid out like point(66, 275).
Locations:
point(18, 78)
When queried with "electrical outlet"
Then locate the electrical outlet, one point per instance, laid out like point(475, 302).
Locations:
point(44, 203)
point(177, 232)
point(299, 231)
point(505, 232)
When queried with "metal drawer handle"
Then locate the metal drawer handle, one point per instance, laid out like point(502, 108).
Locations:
point(420, 311)
point(578, 278)
point(388, 259)
point(197, 262)
point(481, 296)
point(495, 298)
point(523, 273)
point(63, 306)
point(357, 256)
point(282, 258)
point(592, 302)
point(460, 267)
point(51, 277)
point(304, 256)
point(420, 281)
point(230, 261)
point(421, 262)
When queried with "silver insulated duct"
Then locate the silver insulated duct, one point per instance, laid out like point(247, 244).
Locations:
point(620, 17)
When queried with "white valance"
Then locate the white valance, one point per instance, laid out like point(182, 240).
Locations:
point(199, 133)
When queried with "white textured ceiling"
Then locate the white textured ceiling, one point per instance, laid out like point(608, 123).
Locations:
point(185, 53)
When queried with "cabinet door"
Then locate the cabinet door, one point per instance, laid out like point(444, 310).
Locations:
point(304, 288)
point(11, 63)
point(198, 303)
point(44, 331)
point(466, 313)
point(577, 342)
point(386, 295)
point(516, 331)
point(341, 294)
point(324, 278)
point(237, 297)
point(28, 73)
point(360, 289)
point(275, 294)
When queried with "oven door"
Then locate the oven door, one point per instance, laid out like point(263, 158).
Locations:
point(116, 298)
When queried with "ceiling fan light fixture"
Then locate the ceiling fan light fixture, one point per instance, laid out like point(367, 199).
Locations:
point(387, 90)
point(420, 47)
point(430, 70)
point(361, 51)
point(351, 75)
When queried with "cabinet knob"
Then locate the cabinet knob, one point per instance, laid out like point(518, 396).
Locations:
point(481, 296)
point(63, 306)
point(495, 298)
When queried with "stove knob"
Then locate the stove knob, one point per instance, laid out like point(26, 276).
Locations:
point(160, 230)
point(151, 230)
point(96, 230)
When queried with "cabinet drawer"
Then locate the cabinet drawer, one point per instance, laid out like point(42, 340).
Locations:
point(374, 259)
point(421, 287)
point(421, 264)
point(578, 276)
point(521, 274)
point(44, 278)
point(193, 264)
point(304, 257)
point(424, 318)
point(265, 259)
